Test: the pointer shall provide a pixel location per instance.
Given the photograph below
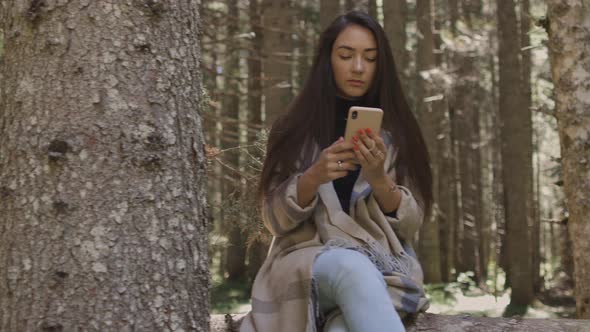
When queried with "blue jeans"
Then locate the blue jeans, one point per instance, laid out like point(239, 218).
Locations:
point(347, 279)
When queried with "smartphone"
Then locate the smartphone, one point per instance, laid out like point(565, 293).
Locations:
point(361, 118)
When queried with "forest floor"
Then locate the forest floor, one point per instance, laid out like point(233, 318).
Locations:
point(452, 299)
point(456, 298)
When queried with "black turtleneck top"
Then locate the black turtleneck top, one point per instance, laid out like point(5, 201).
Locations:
point(344, 185)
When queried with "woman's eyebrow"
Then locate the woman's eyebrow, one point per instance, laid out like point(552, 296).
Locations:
point(353, 49)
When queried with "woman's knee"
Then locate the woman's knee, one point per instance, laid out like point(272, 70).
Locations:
point(345, 263)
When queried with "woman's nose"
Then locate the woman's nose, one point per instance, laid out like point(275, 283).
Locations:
point(357, 65)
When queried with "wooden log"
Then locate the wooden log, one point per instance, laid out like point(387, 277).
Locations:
point(446, 323)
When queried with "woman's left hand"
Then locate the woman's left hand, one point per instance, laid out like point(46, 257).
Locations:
point(370, 151)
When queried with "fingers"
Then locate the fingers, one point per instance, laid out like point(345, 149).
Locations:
point(338, 170)
point(340, 146)
point(338, 141)
point(370, 149)
point(374, 143)
point(359, 155)
point(344, 156)
point(368, 139)
point(377, 139)
point(363, 154)
point(366, 146)
point(342, 166)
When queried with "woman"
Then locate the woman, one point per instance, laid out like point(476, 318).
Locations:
point(341, 257)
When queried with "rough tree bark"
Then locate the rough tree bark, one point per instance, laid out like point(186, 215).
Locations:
point(463, 323)
point(569, 36)
point(102, 196)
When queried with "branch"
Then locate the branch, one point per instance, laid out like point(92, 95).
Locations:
point(544, 110)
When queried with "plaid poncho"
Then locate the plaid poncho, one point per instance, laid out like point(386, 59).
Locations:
point(284, 296)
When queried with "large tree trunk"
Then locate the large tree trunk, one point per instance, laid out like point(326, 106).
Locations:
point(516, 133)
point(437, 323)
point(102, 195)
point(430, 119)
point(569, 36)
point(277, 18)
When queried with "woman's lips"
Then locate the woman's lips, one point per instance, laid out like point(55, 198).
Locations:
point(355, 82)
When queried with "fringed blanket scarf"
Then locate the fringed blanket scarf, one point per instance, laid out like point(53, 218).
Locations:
point(284, 297)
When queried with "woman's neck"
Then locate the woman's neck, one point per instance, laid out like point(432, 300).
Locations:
point(348, 98)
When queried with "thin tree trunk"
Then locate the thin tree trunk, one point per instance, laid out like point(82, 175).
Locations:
point(305, 44)
point(499, 215)
point(349, 5)
point(428, 246)
point(211, 59)
point(467, 86)
point(482, 227)
point(468, 92)
point(277, 19)
point(448, 202)
point(516, 135)
point(525, 27)
point(257, 251)
point(395, 16)
point(453, 15)
point(552, 241)
point(235, 252)
point(373, 9)
point(329, 9)
point(447, 167)
point(255, 68)
point(569, 43)
point(102, 170)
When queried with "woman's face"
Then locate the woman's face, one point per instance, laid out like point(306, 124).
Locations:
point(354, 60)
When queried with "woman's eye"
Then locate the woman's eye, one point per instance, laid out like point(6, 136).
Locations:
point(345, 57)
point(372, 60)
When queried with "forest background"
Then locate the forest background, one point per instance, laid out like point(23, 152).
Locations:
point(479, 78)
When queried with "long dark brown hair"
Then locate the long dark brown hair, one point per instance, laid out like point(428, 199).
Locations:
point(310, 116)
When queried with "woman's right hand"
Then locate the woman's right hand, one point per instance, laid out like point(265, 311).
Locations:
point(325, 169)
point(333, 163)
